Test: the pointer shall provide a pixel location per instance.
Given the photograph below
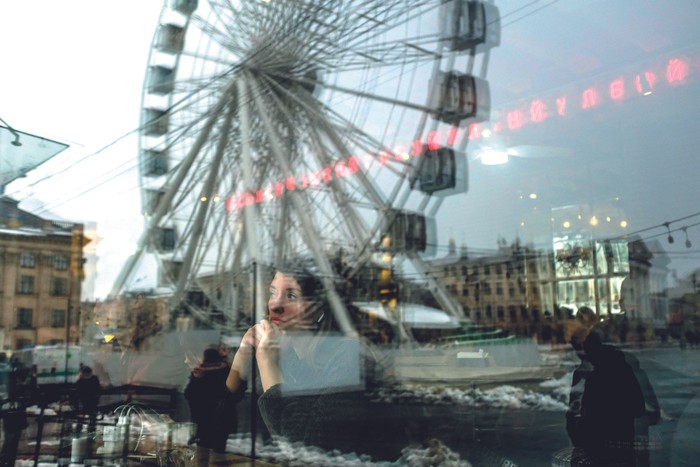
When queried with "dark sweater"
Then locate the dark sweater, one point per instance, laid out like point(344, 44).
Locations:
point(322, 401)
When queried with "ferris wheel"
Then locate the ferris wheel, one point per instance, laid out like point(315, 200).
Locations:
point(272, 128)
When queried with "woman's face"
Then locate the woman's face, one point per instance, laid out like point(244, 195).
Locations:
point(287, 305)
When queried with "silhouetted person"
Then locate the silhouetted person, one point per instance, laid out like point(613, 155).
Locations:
point(612, 399)
point(16, 379)
point(87, 391)
point(578, 382)
point(14, 421)
point(651, 415)
point(204, 391)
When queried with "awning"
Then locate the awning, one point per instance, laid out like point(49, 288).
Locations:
point(21, 152)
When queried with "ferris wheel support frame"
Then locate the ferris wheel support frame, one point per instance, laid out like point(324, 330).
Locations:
point(352, 218)
point(201, 214)
point(250, 210)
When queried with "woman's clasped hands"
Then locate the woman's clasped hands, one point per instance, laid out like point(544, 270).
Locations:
point(265, 340)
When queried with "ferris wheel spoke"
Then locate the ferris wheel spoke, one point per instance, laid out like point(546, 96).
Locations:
point(371, 146)
point(354, 222)
point(371, 190)
point(247, 97)
point(225, 17)
point(397, 15)
point(302, 210)
point(201, 210)
point(378, 98)
point(310, 108)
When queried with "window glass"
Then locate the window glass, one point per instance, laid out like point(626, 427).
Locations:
point(59, 286)
point(26, 284)
point(357, 232)
point(60, 262)
point(58, 318)
point(24, 318)
point(26, 259)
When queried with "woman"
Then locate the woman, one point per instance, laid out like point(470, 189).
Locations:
point(312, 377)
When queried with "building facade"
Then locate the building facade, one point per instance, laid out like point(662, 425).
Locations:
point(526, 290)
point(40, 278)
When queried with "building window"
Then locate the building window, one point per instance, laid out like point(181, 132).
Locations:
point(499, 290)
point(465, 291)
point(58, 318)
point(59, 286)
point(26, 284)
point(60, 262)
point(27, 259)
point(24, 318)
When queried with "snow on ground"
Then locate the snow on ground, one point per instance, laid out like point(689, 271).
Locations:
point(295, 454)
point(559, 387)
point(506, 396)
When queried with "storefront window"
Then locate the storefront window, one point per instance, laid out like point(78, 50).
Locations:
point(441, 232)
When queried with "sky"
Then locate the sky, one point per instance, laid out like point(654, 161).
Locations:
point(73, 72)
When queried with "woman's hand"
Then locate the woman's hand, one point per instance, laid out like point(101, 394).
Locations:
point(269, 337)
point(264, 339)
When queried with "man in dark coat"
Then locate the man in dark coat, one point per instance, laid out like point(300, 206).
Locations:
point(87, 390)
point(612, 399)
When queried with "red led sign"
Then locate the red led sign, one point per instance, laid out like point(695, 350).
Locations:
point(535, 111)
